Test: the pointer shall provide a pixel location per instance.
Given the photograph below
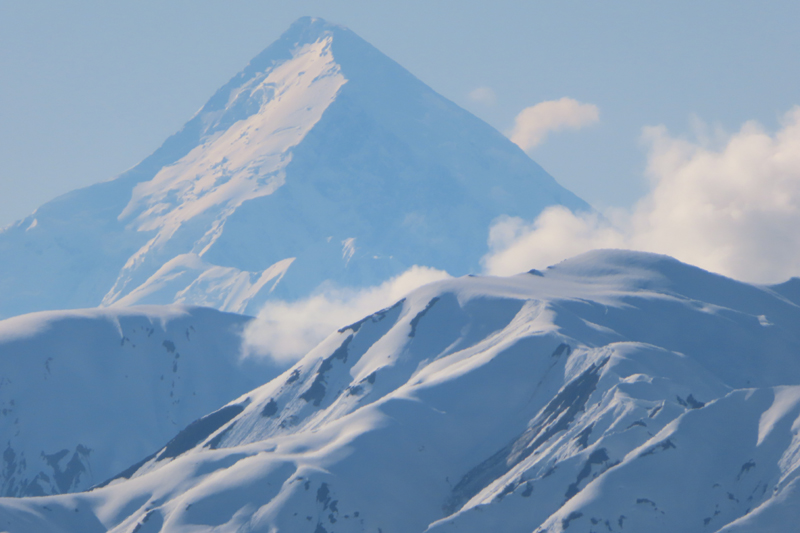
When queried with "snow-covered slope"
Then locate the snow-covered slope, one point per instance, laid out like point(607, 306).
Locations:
point(322, 160)
point(616, 391)
point(84, 394)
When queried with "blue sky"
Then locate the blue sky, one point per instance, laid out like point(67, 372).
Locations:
point(89, 88)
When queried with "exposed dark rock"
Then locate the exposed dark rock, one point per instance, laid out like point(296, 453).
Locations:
point(597, 457)
point(746, 468)
point(645, 500)
point(555, 417)
point(572, 516)
point(693, 403)
point(270, 409)
point(316, 392)
point(215, 442)
point(69, 476)
point(528, 490)
point(324, 495)
point(375, 317)
point(561, 349)
point(582, 439)
point(198, 431)
point(416, 319)
point(661, 446)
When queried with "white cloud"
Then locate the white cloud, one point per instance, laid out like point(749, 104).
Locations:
point(483, 95)
point(516, 246)
point(734, 209)
point(532, 124)
point(285, 331)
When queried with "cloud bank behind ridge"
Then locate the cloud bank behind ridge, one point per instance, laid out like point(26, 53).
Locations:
point(732, 209)
point(731, 206)
point(285, 331)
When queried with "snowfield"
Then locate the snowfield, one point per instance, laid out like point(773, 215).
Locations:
point(616, 391)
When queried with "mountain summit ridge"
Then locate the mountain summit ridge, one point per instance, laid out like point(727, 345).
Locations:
point(616, 391)
point(322, 160)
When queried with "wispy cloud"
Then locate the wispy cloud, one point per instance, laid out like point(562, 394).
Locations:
point(483, 95)
point(285, 331)
point(733, 209)
point(533, 124)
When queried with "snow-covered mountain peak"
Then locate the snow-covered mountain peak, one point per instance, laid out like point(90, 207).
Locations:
point(247, 132)
point(322, 161)
point(233, 96)
point(245, 161)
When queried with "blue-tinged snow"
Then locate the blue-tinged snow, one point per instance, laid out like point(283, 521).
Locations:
point(84, 394)
point(323, 160)
point(615, 391)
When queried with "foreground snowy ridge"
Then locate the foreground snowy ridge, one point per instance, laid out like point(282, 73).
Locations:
point(616, 391)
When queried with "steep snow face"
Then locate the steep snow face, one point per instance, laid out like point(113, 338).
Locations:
point(323, 160)
point(84, 394)
point(613, 392)
point(195, 282)
point(245, 161)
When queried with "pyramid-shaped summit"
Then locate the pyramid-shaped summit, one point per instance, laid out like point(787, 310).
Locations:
point(322, 160)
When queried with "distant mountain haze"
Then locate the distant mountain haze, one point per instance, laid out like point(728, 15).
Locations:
point(323, 160)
